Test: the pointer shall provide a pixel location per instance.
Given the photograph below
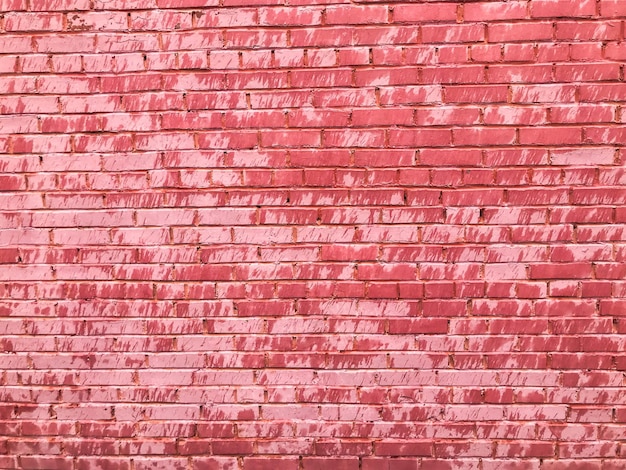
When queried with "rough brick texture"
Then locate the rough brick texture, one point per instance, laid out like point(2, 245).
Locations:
point(308, 234)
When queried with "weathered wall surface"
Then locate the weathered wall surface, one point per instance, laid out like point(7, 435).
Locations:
point(260, 234)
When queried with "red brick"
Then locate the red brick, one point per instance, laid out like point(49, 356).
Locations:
point(33, 22)
point(587, 72)
point(252, 463)
point(395, 449)
point(453, 75)
point(366, 14)
point(385, 34)
point(410, 94)
point(453, 33)
point(419, 138)
point(519, 31)
point(495, 11)
point(98, 20)
point(480, 136)
point(562, 8)
point(385, 76)
point(519, 73)
point(502, 115)
point(448, 116)
point(582, 30)
point(525, 449)
point(486, 53)
point(612, 8)
point(475, 94)
point(108, 463)
point(453, 54)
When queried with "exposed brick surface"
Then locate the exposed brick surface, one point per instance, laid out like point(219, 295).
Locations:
point(267, 234)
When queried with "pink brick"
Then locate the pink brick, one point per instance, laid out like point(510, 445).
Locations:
point(312, 234)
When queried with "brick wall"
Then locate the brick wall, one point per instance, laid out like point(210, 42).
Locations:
point(260, 234)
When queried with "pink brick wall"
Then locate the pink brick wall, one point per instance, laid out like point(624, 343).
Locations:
point(310, 234)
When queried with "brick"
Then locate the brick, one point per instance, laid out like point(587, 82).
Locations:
point(569, 135)
point(242, 81)
point(509, 116)
point(33, 22)
point(368, 14)
point(388, 35)
point(382, 117)
point(519, 31)
point(424, 137)
point(388, 56)
point(470, 74)
point(595, 134)
point(353, 56)
point(551, 9)
point(47, 462)
point(390, 448)
point(587, 72)
point(409, 95)
point(448, 116)
point(453, 33)
point(424, 12)
point(479, 136)
point(475, 94)
point(612, 8)
point(318, 118)
point(486, 53)
point(580, 156)
point(223, 140)
point(70, 124)
point(582, 30)
point(595, 196)
point(495, 11)
point(519, 74)
point(252, 463)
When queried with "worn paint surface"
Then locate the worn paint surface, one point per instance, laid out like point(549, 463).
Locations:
point(260, 234)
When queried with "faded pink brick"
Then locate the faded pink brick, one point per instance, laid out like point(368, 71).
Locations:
point(390, 238)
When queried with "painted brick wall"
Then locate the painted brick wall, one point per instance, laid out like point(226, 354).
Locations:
point(311, 234)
